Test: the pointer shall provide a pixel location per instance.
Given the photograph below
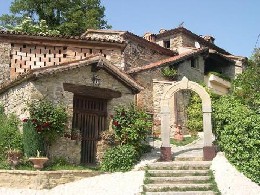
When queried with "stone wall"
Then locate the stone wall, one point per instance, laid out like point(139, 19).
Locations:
point(150, 97)
point(175, 41)
point(193, 74)
point(15, 99)
point(5, 49)
point(144, 99)
point(25, 57)
point(66, 148)
point(41, 179)
point(136, 55)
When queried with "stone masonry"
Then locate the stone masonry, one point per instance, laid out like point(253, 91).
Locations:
point(5, 49)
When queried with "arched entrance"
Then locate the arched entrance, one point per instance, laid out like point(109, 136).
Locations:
point(208, 150)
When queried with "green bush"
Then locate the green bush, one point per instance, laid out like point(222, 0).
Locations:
point(10, 136)
point(132, 126)
point(48, 119)
point(194, 113)
point(237, 129)
point(169, 72)
point(32, 141)
point(119, 158)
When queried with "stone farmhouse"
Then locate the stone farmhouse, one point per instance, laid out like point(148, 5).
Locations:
point(94, 72)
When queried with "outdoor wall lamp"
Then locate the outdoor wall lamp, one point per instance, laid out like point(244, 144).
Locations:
point(95, 80)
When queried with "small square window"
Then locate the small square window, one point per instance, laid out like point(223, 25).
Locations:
point(166, 44)
point(195, 63)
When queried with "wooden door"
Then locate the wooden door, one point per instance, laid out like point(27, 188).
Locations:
point(89, 116)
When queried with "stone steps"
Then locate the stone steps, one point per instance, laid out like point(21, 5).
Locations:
point(180, 165)
point(182, 193)
point(176, 187)
point(179, 177)
point(179, 180)
point(177, 173)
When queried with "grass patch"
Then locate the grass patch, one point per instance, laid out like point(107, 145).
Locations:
point(213, 183)
point(185, 141)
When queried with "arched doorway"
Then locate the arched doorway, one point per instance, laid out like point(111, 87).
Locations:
point(208, 150)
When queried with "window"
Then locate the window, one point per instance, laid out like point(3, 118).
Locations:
point(195, 63)
point(166, 44)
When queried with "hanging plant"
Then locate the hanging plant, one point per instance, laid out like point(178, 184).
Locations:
point(169, 73)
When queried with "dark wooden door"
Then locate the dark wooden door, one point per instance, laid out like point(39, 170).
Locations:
point(89, 116)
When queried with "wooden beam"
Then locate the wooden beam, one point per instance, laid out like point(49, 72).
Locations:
point(90, 91)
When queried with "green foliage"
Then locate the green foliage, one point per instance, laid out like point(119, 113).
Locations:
point(29, 27)
point(246, 86)
point(194, 113)
point(10, 136)
point(68, 17)
point(32, 141)
point(132, 126)
point(48, 119)
point(237, 129)
point(119, 158)
point(169, 72)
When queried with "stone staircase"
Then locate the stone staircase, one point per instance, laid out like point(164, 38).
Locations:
point(189, 176)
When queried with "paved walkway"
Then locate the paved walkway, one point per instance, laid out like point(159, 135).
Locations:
point(194, 149)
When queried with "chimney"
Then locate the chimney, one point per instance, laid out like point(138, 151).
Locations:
point(209, 38)
point(162, 31)
point(149, 37)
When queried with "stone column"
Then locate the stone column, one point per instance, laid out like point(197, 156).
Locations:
point(166, 154)
point(209, 151)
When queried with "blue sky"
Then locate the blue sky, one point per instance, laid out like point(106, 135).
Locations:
point(234, 23)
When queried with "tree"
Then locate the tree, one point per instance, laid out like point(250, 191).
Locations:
point(28, 26)
point(246, 86)
point(68, 17)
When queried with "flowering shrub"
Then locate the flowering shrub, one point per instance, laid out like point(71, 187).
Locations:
point(48, 120)
point(132, 126)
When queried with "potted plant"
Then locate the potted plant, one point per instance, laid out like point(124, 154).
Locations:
point(38, 161)
point(13, 157)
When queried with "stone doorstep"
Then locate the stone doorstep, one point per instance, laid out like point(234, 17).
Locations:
point(180, 193)
point(181, 187)
point(179, 180)
point(178, 172)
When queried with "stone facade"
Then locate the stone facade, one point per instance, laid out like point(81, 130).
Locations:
point(5, 49)
point(66, 148)
point(136, 55)
point(15, 99)
point(41, 179)
point(155, 84)
point(51, 88)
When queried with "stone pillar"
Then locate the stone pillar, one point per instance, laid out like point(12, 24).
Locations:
point(209, 151)
point(166, 154)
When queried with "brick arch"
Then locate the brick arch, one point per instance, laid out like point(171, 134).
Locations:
point(208, 149)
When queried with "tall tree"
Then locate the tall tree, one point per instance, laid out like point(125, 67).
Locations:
point(71, 17)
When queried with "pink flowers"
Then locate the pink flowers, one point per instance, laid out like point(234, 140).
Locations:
point(25, 120)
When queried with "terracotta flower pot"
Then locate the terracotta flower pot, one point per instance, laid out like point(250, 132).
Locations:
point(38, 162)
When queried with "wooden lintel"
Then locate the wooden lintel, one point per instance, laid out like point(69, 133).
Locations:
point(91, 91)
